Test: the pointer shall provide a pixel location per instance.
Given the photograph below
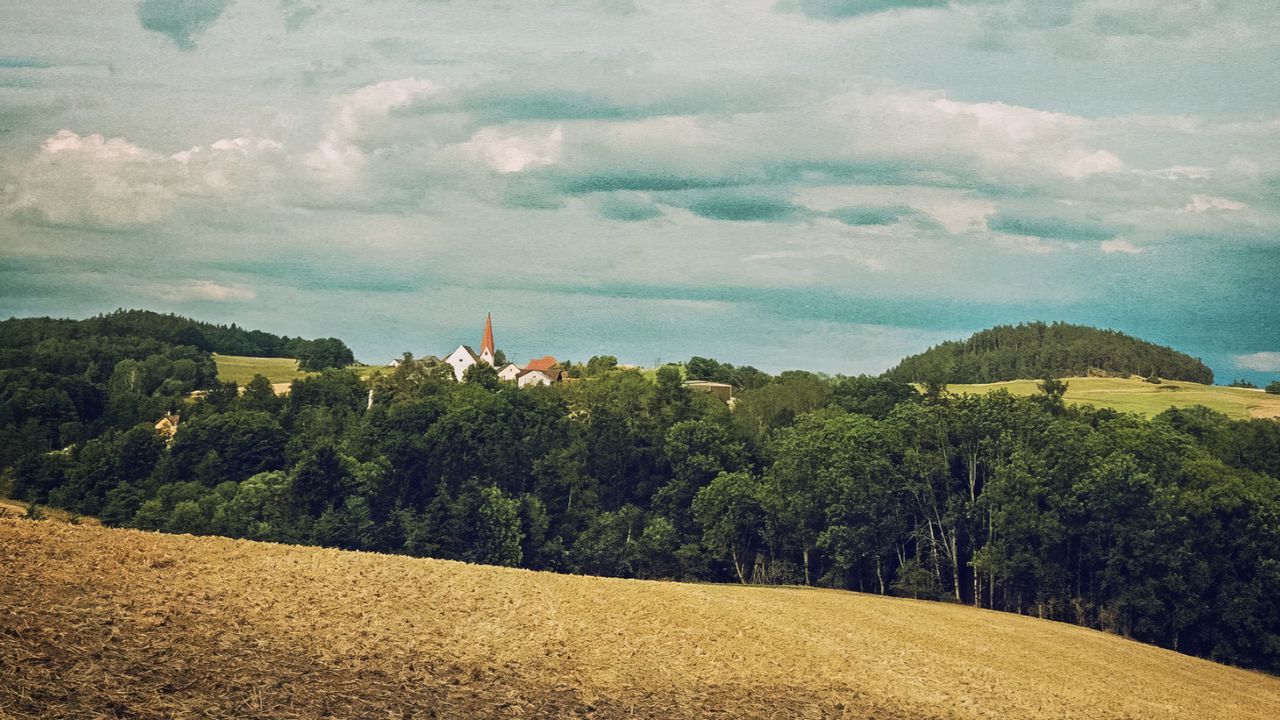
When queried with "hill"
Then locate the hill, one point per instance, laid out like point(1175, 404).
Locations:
point(104, 622)
point(1138, 396)
point(178, 331)
point(1037, 350)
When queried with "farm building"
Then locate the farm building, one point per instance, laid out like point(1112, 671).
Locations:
point(168, 426)
point(724, 391)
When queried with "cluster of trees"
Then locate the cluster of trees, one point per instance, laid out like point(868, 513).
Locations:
point(745, 377)
point(1037, 350)
point(1166, 530)
point(66, 381)
point(19, 333)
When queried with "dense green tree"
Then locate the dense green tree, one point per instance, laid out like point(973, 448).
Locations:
point(261, 396)
point(244, 442)
point(601, 364)
point(731, 514)
point(495, 525)
point(874, 396)
point(482, 375)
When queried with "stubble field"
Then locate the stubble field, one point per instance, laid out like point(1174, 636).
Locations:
point(97, 622)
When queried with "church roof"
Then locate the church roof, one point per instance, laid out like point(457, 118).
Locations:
point(487, 342)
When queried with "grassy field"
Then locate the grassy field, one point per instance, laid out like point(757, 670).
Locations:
point(1138, 396)
point(117, 623)
point(280, 371)
point(240, 369)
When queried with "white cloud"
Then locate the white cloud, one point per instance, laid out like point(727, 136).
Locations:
point(1205, 203)
point(340, 153)
point(94, 180)
point(1183, 172)
point(1029, 245)
point(511, 153)
point(1120, 246)
point(203, 290)
point(1260, 361)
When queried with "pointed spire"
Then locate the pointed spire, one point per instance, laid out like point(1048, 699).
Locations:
point(487, 343)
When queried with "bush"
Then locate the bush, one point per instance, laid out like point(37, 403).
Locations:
point(1274, 387)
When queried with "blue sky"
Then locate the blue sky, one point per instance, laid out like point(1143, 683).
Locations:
point(820, 184)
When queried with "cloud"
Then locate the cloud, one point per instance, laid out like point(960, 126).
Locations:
point(882, 215)
point(180, 20)
point(1260, 361)
point(512, 153)
point(1053, 228)
point(841, 9)
point(1206, 203)
point(341, 154)
point(92, 180)
point(734, 206)
point(1120, 246)
point(10, 62)
point(76, 180)
point(628, 207)
point(187, 290)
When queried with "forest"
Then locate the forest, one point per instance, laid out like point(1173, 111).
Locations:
point(1164, 530)
point(1037, 350)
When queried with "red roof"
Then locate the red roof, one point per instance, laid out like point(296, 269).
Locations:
point(487, 342)
point(544, 363)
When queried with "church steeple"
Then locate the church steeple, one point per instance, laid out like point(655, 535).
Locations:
point(486, 345)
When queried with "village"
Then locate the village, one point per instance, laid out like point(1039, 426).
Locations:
point(546, 370)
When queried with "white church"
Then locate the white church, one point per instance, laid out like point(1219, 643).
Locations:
point(542, 371)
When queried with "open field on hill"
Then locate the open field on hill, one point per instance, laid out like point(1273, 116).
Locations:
point(240, 369)
point(1138, 396)
point(280, 371)
point(117, 623)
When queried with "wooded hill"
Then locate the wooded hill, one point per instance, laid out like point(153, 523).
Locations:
point(1038, 350)
point(1160, 529)
point(19, 333)
point(65, 381)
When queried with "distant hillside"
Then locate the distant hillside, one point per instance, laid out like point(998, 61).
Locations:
point(1036, 350)
point(176, 330)
point(65, 381)
point(120, 623)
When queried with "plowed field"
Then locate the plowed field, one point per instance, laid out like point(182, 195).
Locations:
point(101, 623)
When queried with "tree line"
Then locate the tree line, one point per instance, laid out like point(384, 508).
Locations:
point(1166, 530)
point(1037, 350)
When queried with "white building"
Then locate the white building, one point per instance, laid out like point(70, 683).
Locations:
point(464, 357)
point(510, 372)
point(535, 377)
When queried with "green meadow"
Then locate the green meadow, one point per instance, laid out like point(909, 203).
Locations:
point(241, 369)
point(1138, 396)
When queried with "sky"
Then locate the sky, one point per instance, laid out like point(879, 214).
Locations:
point(819, 184)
